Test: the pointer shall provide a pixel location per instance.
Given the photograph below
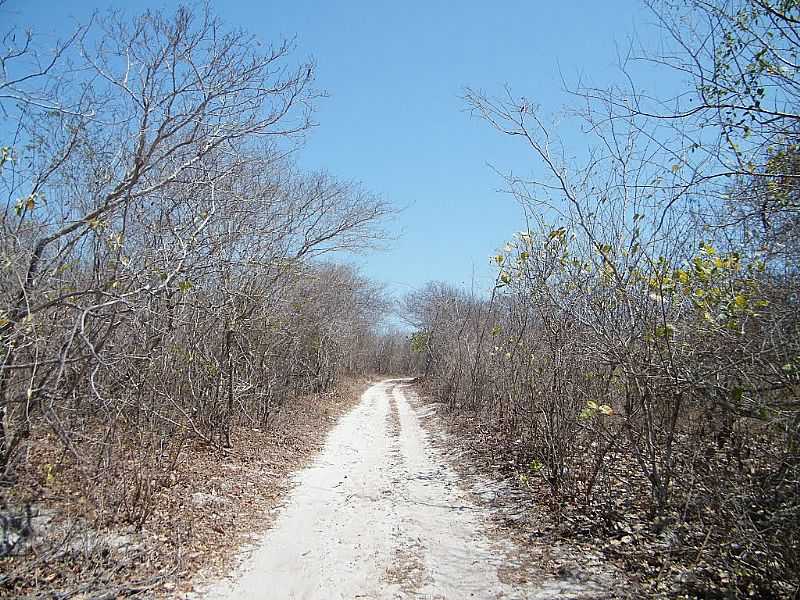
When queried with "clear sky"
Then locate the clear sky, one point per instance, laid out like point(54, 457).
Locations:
point(395, 120)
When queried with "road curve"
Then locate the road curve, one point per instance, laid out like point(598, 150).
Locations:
point(378, 515)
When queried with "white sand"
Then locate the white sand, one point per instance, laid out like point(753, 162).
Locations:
point(378, 515)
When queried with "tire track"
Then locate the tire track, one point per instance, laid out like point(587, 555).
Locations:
point(379, 515)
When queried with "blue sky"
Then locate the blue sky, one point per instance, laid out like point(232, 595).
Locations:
point(395, 120)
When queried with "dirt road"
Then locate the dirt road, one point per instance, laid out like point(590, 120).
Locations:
point(379, 515)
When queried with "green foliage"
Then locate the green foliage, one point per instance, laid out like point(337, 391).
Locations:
point(28, 203)
point(419, 342)
point(594, 409)
point(722, 288)
point(782, 167)
point(751, 54)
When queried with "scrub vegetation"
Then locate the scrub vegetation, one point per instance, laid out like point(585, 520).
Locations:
point(165, 281)
point(174, 304)
point(639, 356)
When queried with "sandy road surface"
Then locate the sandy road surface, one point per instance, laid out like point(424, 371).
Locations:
point(378, 515)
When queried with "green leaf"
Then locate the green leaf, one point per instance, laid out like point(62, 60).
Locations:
point(665, 331)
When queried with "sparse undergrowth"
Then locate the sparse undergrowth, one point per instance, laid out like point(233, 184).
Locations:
point(98, 537)
point(698, 547)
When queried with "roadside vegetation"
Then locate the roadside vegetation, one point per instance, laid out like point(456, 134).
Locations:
point(168, 293)
point(172, 306)
point(638, 360)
